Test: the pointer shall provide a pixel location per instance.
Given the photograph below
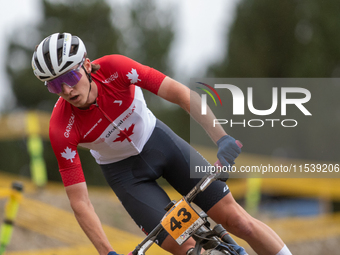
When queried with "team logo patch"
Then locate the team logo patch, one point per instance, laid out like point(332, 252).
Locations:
point(69, 126)
point(133, 76)
point(69, 154)
point(111, 78)
point(125, 134)
point(118, 102)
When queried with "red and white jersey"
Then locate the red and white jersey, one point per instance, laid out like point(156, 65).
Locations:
point(116, 127)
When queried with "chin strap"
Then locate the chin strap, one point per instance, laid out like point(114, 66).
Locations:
point(87, 74)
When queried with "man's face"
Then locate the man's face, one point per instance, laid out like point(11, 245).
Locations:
point(78, 95)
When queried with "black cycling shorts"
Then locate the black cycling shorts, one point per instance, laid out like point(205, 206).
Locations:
point(134, 179)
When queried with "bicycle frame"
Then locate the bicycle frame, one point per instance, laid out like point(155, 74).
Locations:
point(202, 233)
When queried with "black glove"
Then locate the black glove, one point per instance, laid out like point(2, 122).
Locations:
point(228, 150)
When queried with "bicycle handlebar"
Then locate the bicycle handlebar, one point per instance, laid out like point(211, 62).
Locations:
point(223, 234)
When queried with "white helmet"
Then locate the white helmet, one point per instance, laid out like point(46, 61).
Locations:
point(57, 54)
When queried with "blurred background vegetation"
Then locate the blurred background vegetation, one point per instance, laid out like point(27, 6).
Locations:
point(293, 38)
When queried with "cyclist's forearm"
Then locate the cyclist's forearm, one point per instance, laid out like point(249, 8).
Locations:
point(190, 101)
point(91, 225)
point(206, 121)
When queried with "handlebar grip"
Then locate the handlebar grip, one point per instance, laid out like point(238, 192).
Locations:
point(239, 144)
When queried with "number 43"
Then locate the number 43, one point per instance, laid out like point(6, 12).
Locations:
point(178, 223)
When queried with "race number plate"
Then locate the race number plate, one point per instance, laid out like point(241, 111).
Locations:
point(181, 221)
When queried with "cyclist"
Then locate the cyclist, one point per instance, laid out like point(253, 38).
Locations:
point(101, 107)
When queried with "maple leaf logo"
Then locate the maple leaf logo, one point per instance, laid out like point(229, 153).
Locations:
point(68, 154)
point(125, 134)
point(133, 76)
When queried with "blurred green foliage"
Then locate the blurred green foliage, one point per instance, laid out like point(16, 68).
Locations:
point(293, 38)
point(90, 20)
point(287, 39)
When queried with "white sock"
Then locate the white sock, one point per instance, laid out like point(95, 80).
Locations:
point(284, 251)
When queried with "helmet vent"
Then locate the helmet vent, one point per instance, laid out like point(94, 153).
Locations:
point(60, 46)
point(37, 63)
point(46, 54)
point(68, 63)
point(74, 46)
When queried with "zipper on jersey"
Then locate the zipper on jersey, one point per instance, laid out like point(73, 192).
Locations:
point(115, 126)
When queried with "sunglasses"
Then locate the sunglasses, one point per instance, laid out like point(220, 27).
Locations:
point(70, 78)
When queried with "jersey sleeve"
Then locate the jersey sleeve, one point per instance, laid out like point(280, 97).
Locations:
point(63, 139)
point(130, 72)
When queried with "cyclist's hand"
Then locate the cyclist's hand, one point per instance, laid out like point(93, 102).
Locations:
point(228, 150)
point(240, 250)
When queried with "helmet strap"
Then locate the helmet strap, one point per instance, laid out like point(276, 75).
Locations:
point(89, 77)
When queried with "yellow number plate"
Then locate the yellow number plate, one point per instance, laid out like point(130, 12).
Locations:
point(181, 221)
